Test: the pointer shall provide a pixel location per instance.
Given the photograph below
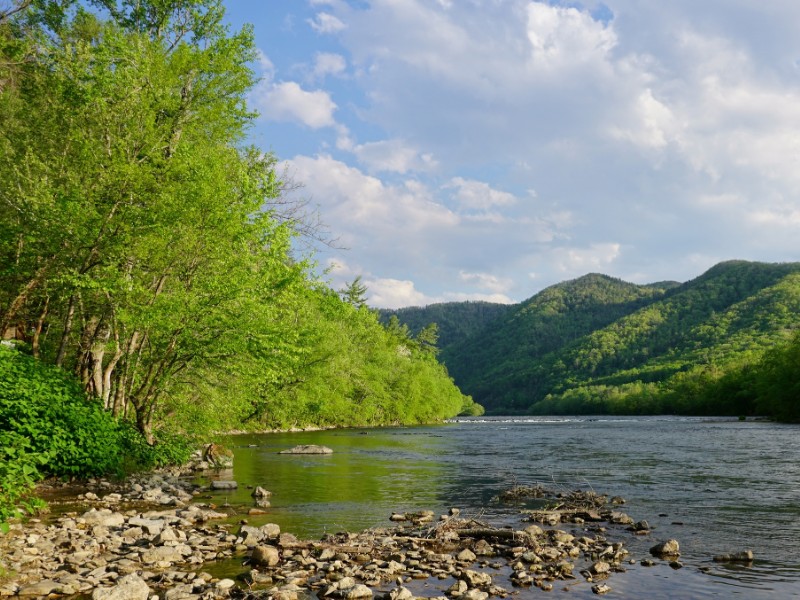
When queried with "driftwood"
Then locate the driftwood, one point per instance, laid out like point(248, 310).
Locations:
point(325, 546)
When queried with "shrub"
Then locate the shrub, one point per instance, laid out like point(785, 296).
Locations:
point(168, 449)
point(48, 409)
point(19, 473)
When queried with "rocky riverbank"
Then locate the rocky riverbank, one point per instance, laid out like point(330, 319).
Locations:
point(149, 539)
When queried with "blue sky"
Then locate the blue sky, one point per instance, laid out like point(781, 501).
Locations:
point(485, 149)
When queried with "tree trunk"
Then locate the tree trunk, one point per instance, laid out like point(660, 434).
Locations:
point(39, 326)
point(62, 348)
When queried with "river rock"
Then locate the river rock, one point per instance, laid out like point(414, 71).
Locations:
point(534, 531)
point(42, 588)
point(601, 589)
point(151, 526)
point(224, 485)
point(260, 493)
point(355, 592)
point(270, 531)
point(130, 587)
point(475, 578)
point(600, 568)
point(307, 449)
point(104, 517)
point(218, 457)
point(224, 584)
point(466, 555)
point(267, 556)
point(166, 536)
point(397, 517)
point(401, 593)
point(171, 554)
point(250, 536)
point(641, 526)
point(458, 589)
point(745, 556)
point(668, 548)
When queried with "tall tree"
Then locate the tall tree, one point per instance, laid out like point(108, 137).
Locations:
point(134, 214)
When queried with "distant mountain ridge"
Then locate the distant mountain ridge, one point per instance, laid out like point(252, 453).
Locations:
point(601, 331)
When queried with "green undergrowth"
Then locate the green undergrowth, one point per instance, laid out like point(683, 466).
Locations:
point(48, 427)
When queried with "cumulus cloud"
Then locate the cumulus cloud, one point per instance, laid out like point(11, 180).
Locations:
point(478, 195)
point(667, 127)
point(287, 101)
point(564, 38)
point(391, 155)
point(326, 23)
point(394, 293)
point(328, 63)
point(487, 281)
point(576, 260)
point(467, 297)
point(364, 205)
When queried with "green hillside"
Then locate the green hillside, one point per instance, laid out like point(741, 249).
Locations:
point(663, 357)
point(497, 362)
point(599, 344)
point(456, 321)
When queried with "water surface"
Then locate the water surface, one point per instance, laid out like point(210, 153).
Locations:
point(716, 485)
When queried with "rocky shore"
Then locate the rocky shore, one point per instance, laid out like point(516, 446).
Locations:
point(149, 539)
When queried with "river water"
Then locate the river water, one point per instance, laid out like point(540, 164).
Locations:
point(716, 485)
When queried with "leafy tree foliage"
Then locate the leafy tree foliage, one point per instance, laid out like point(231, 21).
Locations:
point(355, 293)
point(455, 321)
point(146, 255)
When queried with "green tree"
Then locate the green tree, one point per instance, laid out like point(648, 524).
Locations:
point(137, 228)
point(355, 293)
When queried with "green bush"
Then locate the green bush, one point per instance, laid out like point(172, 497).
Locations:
point(19, 473)
point(168, 449)
point(49, 410)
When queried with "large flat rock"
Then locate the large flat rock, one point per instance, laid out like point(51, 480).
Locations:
point(307, 449)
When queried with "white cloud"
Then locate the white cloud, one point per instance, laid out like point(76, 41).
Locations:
point(287, 101)
point(787, 217)
point(265, 64)
point(391, 155)
point(326, 23)
point(394, 293)
point(488, 281)
point(652, 124)
point(562, 38)
point(583, 260)
point(328, 63)
point(362, 204)
point(670, 128)
point(478, 195)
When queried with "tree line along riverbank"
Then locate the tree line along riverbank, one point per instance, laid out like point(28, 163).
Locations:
point(154, 284)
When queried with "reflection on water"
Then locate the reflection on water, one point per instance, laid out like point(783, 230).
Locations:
point(718, 486)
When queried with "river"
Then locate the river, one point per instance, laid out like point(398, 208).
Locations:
point(715, 485)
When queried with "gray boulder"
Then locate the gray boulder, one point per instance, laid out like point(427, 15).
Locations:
point(224, 485)
point(307, 449)
point(668, 548)
point(130, 587)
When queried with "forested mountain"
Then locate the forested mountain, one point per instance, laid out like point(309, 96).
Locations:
point(496, 363)
point(597, 344)
point(456, 321)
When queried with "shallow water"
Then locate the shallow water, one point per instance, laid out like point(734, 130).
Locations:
point(716, 485)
